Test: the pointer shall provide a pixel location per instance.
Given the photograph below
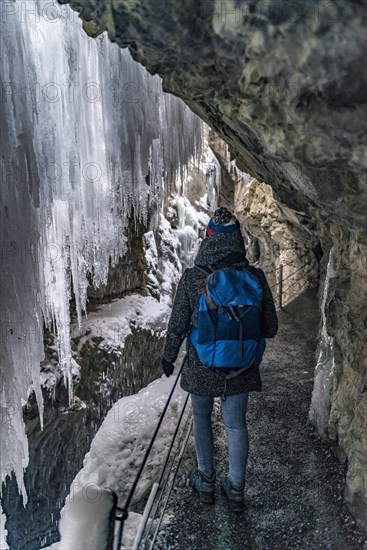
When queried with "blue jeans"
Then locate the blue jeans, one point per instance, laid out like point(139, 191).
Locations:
point(234, 416)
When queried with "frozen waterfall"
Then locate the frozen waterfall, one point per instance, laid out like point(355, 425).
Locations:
point(88, 139)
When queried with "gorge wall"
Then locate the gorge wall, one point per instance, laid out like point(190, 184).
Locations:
point(344, 423)
point(283, 84)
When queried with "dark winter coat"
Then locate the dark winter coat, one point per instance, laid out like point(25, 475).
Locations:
point(217, 250)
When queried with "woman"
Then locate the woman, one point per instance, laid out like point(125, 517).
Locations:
point(222, 246)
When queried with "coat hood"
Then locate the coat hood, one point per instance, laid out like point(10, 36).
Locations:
point(214, 249)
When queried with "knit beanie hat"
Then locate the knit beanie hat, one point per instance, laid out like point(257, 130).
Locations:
point(223, 221)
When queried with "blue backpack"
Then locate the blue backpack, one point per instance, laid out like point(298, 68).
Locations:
point(228, 335)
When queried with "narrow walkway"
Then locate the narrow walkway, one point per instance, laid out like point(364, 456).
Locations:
point(294, 483)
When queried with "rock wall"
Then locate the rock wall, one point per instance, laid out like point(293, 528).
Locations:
point(281, 241)
point(346, 317)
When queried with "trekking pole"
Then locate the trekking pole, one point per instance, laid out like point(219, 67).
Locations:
point(280, 287)
point(125, 510)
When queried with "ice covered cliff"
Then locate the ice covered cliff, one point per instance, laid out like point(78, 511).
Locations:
point(88, 140)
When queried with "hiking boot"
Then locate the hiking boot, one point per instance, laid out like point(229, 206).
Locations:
point(233, 495)
point(203, 485)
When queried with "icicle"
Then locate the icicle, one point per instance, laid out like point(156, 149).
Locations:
point(213, 183)
point(89, 138)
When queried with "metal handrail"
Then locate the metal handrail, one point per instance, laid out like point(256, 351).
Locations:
point(172, 484)
point(111, 522)
point(289, 275)
point(124, 511)
point(279, 283)
point(293, 272)
point(302, 287)
point(295, 282)
point(285, 265)
point(163, 488)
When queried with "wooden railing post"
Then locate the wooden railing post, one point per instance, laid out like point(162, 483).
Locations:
point(280, 287)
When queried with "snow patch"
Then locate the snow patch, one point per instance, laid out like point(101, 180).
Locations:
point(114, 322)
point(115, 456)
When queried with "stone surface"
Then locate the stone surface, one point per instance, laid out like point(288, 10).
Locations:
point(347, 324)
point(282, 241)
point(280, 235)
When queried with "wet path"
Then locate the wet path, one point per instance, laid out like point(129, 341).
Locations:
point(294, 486)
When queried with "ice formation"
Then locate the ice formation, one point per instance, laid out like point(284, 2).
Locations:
point(88, 139)
point(164, 267)
point(190, 221)
point(320, 402)
point(193, 217)
point(179, 235)
point(3, 531)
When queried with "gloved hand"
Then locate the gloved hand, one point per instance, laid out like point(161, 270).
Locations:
point(167, 367)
